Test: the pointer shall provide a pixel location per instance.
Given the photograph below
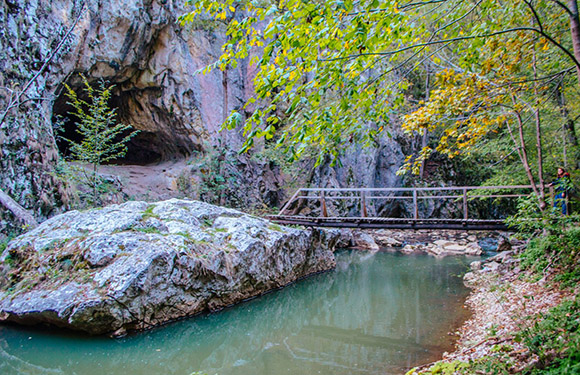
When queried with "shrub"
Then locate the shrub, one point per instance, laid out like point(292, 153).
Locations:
point(103, 139)
point(559, 251)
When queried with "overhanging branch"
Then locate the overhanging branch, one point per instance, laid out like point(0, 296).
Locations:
point(458, 39)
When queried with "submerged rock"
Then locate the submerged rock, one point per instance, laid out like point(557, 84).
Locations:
point(441, 247)
point(364, 241)
point(137, 265)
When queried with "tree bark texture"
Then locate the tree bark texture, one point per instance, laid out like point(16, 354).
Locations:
point(575, 31)
point(570, 137)
point(17, 210)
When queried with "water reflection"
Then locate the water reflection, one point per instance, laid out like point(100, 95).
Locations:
point(373, 315)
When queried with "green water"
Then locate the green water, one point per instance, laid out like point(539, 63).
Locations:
point(375, 314)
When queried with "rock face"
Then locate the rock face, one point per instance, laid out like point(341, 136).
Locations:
point(152, 61)
point(137, 46)
point(370, 167)
point(137, 265)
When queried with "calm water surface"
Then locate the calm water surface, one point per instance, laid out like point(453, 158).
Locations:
point(375, 314)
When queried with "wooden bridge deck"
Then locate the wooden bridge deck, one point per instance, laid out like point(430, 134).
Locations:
point(322, 197)
point(388, 223)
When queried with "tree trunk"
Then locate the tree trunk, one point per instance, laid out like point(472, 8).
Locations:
point(524, 157)
point(570, 138)
point(222, 146)
point(575, 31)
point(95, 187)
point(225, 99)
point(521, 147)
point(539, 139)
point(17, 210)
point(540, 158)
point(425, 138)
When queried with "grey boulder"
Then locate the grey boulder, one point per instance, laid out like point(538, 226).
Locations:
point(137, 265)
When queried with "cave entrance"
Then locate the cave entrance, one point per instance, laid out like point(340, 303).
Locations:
point(146, 147)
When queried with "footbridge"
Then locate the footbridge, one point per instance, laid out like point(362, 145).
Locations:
point(463, 207)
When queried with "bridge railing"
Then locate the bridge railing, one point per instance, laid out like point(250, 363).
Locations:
point(461, 194)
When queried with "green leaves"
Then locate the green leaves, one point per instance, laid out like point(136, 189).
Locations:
point(102, 138)
point(316, 81)
point(97, 126)
point(334, 72)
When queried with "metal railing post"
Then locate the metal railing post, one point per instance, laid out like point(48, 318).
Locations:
point(465, 213)
point(415, 205)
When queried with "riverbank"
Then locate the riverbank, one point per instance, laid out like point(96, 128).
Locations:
point(519, 282)
point(525, 313)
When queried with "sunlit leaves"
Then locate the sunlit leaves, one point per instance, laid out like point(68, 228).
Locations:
point(334, 72)
point(318, 79)
point(463, 109)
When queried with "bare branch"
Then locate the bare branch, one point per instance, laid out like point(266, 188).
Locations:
point(536, 16)
point(563, 6)
point(457, 39)
point(420, 3)
point(402, 7)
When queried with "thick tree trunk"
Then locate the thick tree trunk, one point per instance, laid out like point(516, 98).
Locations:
point(575, 31)
point(17, 210)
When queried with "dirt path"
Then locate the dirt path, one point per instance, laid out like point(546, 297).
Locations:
point(148, 182)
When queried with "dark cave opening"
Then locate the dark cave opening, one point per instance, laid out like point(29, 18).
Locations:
point(144, 148)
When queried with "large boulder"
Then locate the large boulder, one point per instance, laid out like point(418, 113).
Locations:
point(137, 265)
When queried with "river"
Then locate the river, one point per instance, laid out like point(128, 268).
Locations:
point(375, 314)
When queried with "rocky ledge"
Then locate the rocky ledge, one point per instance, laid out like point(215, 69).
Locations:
point(137, 265)
point(433, 242)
